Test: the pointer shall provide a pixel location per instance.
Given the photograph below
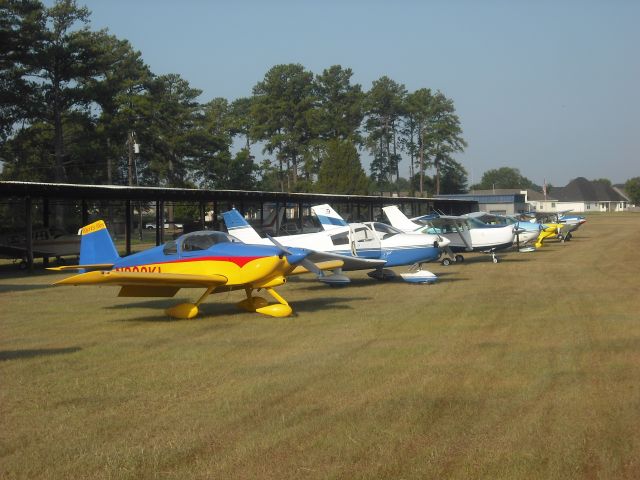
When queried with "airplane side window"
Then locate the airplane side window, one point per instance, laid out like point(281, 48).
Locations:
point(361, 234)
point(170, 248)
point(340, 239)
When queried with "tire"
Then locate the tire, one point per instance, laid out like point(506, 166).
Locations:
point(446, 262)
point(459, 258)
point(495, 259)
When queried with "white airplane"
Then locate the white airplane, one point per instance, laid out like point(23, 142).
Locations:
point(358, 245)
point(526, 232)
point(465, 234)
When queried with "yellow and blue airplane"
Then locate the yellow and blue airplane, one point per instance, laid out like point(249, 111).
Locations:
point(214, 261)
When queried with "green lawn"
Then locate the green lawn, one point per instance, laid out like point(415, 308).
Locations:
point(525, 369)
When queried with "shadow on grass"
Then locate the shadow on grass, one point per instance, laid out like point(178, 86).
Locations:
point(13, 287)
point(229, 310)
point(37, 352)
point(314, 304)
point(159, 306)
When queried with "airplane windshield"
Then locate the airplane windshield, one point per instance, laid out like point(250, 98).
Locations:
point(475, 223)
point(196, 241)
point(386, 230)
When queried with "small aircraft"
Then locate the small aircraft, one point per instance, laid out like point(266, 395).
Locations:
point(214, 261)
point(358, 245)
point(465, 234)
point(557, 224)
point(570, 223)
point(47, 242)
point(526, 232)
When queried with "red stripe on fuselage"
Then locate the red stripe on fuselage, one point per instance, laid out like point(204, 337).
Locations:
point(240, 261)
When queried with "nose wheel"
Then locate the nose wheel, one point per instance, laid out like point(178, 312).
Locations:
point(448, 260)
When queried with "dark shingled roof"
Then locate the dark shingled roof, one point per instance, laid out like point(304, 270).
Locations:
point(581, 189)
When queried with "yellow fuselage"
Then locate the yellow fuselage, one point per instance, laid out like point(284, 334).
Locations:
point(257, 272)
point(550, 231)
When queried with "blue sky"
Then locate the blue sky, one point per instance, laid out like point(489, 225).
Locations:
point(548, 87)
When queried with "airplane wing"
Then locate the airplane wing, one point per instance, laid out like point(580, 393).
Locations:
point(144, 279)
point(349, 263)
point(10, 251)
point(450, 224)
point(326, 265)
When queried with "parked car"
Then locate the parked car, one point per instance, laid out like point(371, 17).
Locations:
point(152, 226)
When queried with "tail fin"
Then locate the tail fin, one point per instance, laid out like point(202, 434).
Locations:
point(328, 217)
point(96, 246)
point(399, 219)
point(240, 228)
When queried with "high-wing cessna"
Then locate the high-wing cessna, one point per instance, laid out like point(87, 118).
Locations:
point(465, 234)
point(359, 246)
point(526, 232)
point(213, 261)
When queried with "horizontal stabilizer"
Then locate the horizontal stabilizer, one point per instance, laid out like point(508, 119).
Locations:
point(94, 266)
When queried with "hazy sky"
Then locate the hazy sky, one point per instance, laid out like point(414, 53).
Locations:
point(549, 87)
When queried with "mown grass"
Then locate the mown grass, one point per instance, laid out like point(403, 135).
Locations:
point(525, 369)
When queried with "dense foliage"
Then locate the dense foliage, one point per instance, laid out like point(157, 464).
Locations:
point(632, 189)
point(74, 102)
point(504, 177)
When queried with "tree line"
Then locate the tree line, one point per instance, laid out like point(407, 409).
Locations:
point(75, 102)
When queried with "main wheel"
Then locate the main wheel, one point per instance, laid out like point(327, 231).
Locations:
point(446, 262)
point(459, 258)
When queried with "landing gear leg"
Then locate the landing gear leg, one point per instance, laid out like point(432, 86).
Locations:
point(251, 304)
point(188, 310)
point(280, 309)
point(493, 257)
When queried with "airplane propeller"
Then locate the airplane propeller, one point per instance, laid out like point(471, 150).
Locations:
point(334, 279)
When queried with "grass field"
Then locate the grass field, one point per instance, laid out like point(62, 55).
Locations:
point(525, 369)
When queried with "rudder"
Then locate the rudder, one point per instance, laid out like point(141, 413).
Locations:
point(328, 217)
point(96, 246)
point(240, 228)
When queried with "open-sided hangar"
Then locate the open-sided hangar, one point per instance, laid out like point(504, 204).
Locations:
point(27, 205)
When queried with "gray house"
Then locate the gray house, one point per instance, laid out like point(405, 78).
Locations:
point(580, 195)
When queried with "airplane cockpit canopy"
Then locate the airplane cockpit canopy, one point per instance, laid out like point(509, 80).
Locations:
point(195, 241)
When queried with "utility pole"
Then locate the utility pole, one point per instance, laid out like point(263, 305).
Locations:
point(130, 142)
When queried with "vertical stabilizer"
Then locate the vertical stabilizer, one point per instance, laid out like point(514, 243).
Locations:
point(328, 217)
point(96, 246)
point(399, 219)
point(240, 228)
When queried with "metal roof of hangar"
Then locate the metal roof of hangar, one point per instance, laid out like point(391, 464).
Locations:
point(118, 192)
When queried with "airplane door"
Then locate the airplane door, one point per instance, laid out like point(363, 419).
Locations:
point(364, 242)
